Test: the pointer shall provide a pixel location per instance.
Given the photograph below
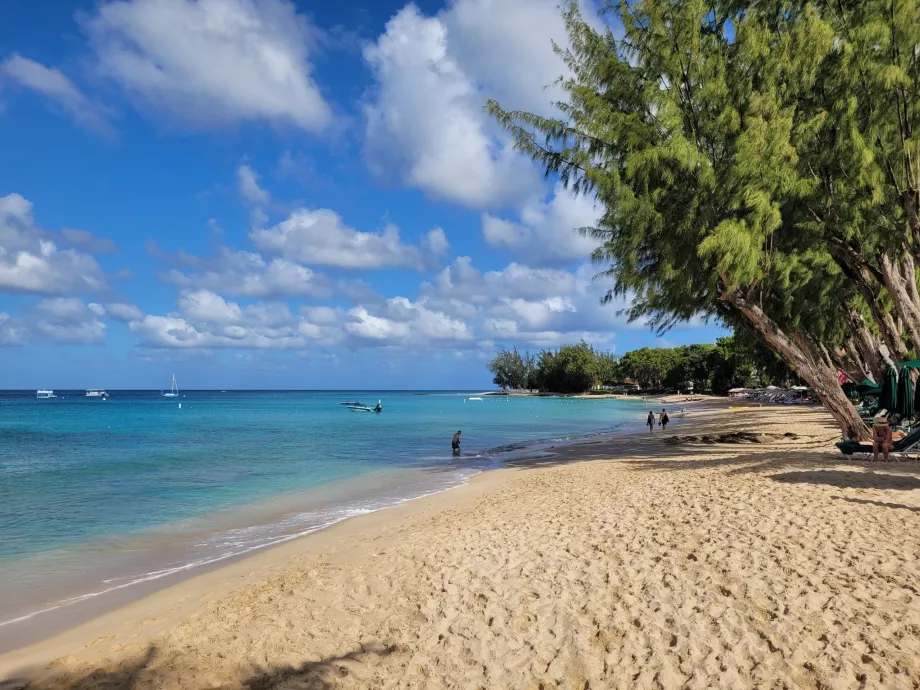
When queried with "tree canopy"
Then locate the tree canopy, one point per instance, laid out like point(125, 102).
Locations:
point(730, 362)
point(757, 163)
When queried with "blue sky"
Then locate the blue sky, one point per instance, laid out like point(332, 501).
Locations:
point(283, 195)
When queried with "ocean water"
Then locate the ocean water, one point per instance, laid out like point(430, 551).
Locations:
point(100, 496)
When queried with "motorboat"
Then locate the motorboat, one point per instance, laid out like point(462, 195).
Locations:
point(45, 395)
point(96, 393)
point(378, 408)
point(174, 391)
point(477, 399)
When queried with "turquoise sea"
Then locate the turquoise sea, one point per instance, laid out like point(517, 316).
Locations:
point(100, 499)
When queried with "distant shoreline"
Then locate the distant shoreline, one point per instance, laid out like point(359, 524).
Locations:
point(668, 398)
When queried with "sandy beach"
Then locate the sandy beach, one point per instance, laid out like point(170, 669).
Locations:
point(632, 563)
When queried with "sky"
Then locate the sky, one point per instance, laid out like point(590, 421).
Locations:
point(274, 194)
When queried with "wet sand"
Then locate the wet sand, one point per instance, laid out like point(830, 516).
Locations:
point(634, 562)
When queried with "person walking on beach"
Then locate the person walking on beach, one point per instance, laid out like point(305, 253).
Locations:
point(881, 439)
point(663, 419)
point(455, 443)
point(650, 421)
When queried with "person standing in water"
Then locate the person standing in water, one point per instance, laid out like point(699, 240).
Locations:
point(455, 443)
point(650, 421)
point(663, 419)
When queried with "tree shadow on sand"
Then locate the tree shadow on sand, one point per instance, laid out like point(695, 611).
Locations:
point(881, 504)
point(140, 672)
point(850, 480)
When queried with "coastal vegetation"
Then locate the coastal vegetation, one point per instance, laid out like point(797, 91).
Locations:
point(735, 361)
point(757, 164)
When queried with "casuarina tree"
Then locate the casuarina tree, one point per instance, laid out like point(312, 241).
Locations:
point(707, 132)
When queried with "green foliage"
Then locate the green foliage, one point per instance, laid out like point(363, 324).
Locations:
point(734, 361)
point(571, 368)
point(511, 370)
point(740, 361)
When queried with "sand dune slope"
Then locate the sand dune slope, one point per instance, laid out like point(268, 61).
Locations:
point(674, 566)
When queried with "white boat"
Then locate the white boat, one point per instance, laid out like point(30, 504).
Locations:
point(96, 393)
point(476, 399)
point(174, 391)
point(378, 408)
point(45, 395)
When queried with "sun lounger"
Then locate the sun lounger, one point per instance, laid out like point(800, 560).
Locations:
point(907, 447)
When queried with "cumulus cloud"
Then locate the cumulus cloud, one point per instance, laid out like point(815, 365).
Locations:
point(526, 305)
point(207, 320)
point(212, 61)
point(507, 46)
point(31, 262)
point(321, 238)
point(546, 233)
point(425, 119)
point(248, 274)
point(56, 87)
point(64, 320)
point(400, 319)
point(123, 311)
point(247, 184)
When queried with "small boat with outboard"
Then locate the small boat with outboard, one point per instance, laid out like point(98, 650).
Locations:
point(378, 408)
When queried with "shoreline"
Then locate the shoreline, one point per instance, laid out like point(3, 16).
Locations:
point(216, 574)
point(629, 557)
point(73, 610)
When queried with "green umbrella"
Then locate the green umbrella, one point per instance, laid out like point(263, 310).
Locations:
point(917, 398)
point(905, 398)
point(888, 398)
point(868, 387)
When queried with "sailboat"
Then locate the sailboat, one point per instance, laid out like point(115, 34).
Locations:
point(174, 392)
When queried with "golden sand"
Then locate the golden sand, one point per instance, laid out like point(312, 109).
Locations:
point(626, 564)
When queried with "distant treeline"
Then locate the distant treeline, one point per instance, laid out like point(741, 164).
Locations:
point(735, 361)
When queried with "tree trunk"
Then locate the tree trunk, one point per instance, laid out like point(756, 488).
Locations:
point(902, 290)
point(868, 280)
point(866, 347)
point(809, 362)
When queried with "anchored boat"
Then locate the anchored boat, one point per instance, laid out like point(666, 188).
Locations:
point(378, 408)
point(174, 391)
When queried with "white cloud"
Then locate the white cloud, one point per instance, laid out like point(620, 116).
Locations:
point(122, 311)
point(55, 86)
point(206, 320)
point(212, 61)
point(64, 320)
point(398, 320)
point(248, 274)
point(321, 238)
point(546, 233)
point(425, 121)
point(247, 184)
point(507, 46)
point(31, 262)
point(526, 305)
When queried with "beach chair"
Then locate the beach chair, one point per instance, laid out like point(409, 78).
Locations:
point(907, 448)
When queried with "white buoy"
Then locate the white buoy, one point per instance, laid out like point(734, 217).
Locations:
point(180, 406)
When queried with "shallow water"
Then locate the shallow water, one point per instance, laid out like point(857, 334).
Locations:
point(97, 496)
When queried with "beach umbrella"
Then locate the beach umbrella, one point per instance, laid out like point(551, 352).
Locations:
point(916, 398)
point(888, 397)
point(905, 397)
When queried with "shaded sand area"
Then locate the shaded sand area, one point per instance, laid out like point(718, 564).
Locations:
point(646, 564)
